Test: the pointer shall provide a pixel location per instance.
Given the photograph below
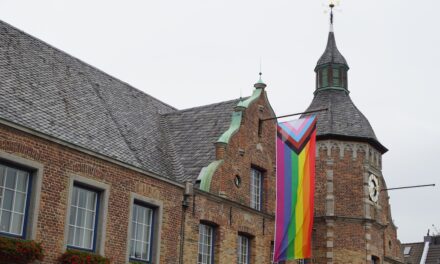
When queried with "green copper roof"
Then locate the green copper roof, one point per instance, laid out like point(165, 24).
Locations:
point(207, 173)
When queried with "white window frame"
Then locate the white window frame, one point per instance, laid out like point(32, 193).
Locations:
point(256, 186)
point(14, 213)
point(157, 205)
point(243, 249)
point(206, 244)
point(143, 225)
point(35, 170)
point(104, 191)
point(94, 211)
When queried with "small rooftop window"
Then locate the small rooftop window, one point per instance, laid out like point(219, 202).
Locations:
point(406, 250)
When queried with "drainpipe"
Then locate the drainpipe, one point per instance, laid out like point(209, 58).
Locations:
point(185, 204)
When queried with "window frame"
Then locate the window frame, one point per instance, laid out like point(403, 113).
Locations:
point(260, 189)
point(152, 230)
point(24, 225)
point(239, 248)
point(35, 170)
point(213, 228)
point(96, 219)
point(157, 221)
point(100, 229)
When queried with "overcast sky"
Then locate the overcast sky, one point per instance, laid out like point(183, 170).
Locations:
point(196, 52)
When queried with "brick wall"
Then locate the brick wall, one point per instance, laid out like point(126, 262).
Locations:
point(349, 228)
point(59, 162)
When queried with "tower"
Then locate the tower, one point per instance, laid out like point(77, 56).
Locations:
point(353, 221)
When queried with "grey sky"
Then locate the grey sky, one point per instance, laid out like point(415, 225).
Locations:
point(196, 52)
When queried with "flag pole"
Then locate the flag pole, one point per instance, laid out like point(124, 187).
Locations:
point(302, 113)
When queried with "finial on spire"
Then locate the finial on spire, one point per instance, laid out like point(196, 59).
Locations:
point(260, 84)
point(331, 5)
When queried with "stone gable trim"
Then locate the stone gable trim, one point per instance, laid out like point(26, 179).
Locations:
point(86, 151)
point(207, 173)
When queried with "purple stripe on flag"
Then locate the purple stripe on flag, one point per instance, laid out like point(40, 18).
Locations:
point(280, 199)
point(287, 200)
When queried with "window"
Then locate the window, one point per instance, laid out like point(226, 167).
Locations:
point(14, 192)
point(141, 233)
point(206, 244)
point(243, 250)
point(83, 218)
point(375, 260)
point(256, 183)
point(407, 250)
point(324, 77)
point(336, 77)
point(344, 78)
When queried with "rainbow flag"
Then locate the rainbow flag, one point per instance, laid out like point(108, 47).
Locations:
point(295, 188)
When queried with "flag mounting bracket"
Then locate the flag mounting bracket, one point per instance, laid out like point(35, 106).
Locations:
point(302, 113)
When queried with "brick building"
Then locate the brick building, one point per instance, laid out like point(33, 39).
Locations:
point(353, 222)
point(91, 163)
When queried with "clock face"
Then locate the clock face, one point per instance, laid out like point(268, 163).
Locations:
point(373, 188)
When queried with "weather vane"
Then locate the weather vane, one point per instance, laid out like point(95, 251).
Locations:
point(333, 4)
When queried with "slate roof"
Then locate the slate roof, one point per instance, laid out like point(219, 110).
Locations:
point(193, 132)
point(415, 254)
point(49, 91)
point(331, 53)
point(433, 256)
point(343, 119)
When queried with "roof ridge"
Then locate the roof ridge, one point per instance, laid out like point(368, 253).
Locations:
point(203, 106)
point(85, 63)
point(110, 113)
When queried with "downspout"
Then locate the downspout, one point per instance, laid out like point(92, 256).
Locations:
point(425, 253)
point(185, 204)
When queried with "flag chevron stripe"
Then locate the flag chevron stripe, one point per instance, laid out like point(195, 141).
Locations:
point(297, 133)
point(295, 190)
point(297, 147)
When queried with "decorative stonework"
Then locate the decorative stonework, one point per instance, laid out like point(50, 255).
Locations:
point(18, 147)
point(355, 149)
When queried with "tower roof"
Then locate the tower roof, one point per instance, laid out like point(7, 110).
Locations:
point(342, 120)
point(331, 53)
